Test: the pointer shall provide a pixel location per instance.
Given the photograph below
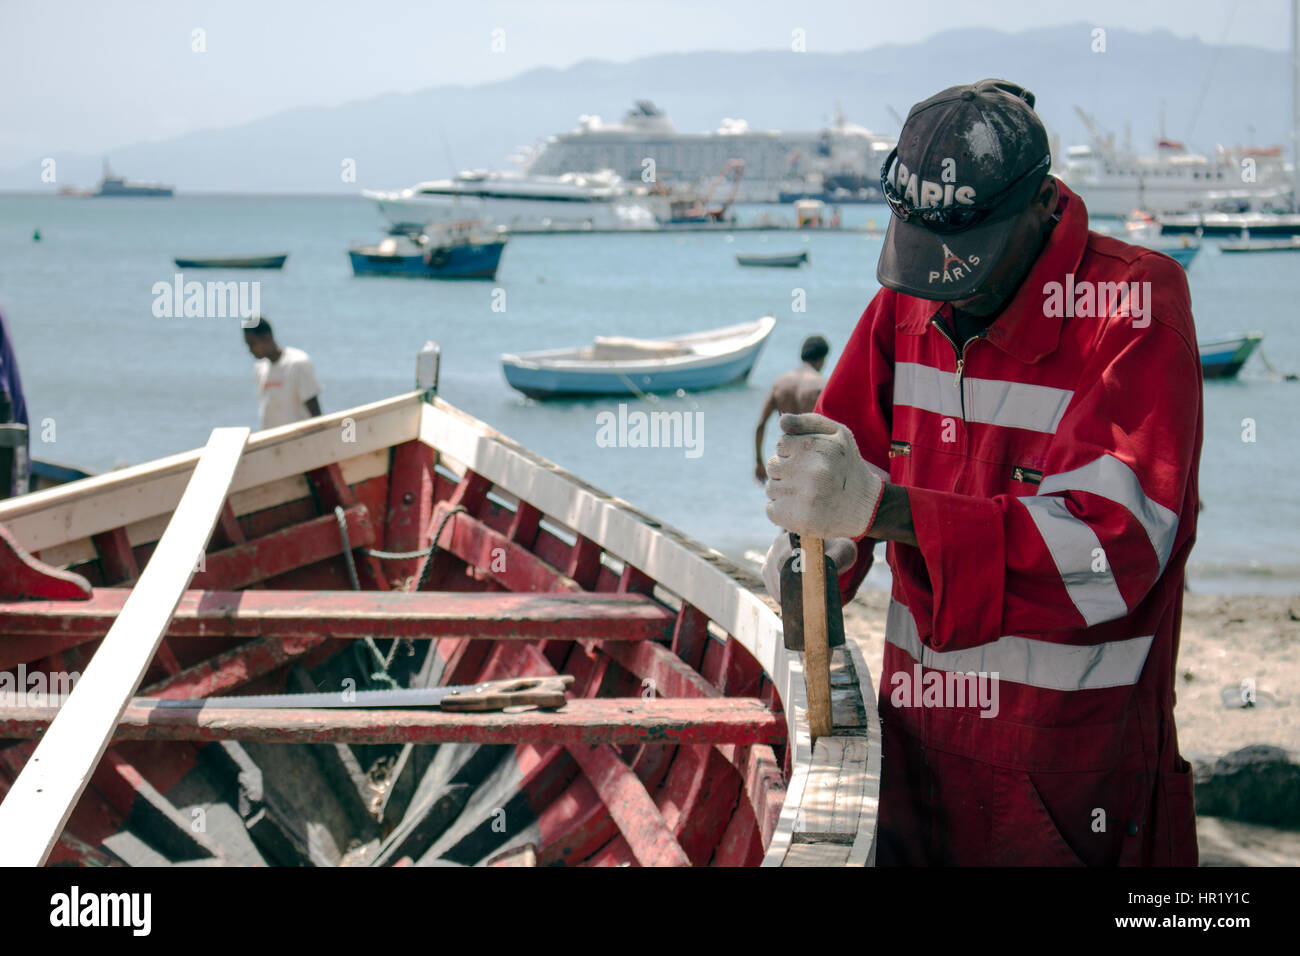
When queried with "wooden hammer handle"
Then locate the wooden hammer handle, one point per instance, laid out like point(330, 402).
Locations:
point(816, 648)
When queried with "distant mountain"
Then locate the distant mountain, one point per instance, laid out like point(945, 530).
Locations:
point(1209, 94)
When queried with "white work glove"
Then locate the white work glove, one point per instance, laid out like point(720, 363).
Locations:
point(843, 551)
point(817, 483)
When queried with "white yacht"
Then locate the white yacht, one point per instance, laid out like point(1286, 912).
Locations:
point(1114, 181)
point(523, 202)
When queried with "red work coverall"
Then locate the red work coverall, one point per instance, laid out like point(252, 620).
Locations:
point(1052, 479)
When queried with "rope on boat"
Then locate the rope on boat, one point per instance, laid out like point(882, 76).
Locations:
point(385, 662)
point(433, 544)
point(342, 519)
point(397, 555)
point(1280, 376)
point(639, 394)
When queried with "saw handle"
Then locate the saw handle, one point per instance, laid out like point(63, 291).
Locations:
point(511, 692)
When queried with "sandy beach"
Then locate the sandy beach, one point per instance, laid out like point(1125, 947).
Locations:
point(1233, 646)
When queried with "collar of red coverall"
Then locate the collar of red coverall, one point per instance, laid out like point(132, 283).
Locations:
point(1024, 330)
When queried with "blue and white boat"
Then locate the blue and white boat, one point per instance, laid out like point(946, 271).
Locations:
point(628, 366)
point(453, 251)
point(1223, 358)
point(1182, 254)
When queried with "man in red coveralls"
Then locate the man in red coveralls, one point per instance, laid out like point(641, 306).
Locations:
point(1018, 413)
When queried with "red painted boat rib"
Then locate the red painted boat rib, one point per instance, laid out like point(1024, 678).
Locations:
point(286, 550)
point(116, 556)
point(227, 672)
point(630, 806)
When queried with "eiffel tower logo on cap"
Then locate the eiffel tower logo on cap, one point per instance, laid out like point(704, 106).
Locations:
point(950, 258)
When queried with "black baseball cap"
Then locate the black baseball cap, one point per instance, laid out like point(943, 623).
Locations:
point(968, 162)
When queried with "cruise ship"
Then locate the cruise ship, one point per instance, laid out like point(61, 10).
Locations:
point(1114, 181)
point(843, 157)
point(524, 202)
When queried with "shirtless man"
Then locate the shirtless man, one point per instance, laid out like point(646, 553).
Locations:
point(794, 393)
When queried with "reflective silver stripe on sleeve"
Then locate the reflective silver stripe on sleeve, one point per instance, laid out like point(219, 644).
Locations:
point(988, 401)
point(1110, 478)
point(1023, 660)
point(1074, 548)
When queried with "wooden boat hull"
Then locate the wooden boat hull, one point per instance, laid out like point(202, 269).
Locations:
point(1223, 358)
point(684, 741)
point(472, 261)
point(246, 262)
point(788, 261)
point(540, 376)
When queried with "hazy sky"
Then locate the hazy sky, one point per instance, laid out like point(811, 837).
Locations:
point(88, 76)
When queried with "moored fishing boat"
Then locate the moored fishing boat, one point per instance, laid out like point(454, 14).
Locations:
point(630, 366)
point(405, 544)
point(1223, 358)
point(274, 261)
point(1231, 224)
point(453, 251)
point(1182, 253)
point(780, 260)
point(1247, 244)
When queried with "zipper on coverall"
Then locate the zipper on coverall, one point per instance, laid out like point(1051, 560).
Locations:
point(960, 352)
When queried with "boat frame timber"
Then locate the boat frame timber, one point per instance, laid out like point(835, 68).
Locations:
point(827, 815)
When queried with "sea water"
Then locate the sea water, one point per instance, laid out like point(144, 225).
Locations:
point(109, 381)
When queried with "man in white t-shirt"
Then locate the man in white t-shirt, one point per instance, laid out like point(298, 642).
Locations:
point(287, 389)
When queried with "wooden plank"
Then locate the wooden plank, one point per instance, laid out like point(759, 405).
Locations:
point(864, 846)
point(817, 854)
point(734, 720)
point(350, 614)
point(33, 814)
point(835, 793)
